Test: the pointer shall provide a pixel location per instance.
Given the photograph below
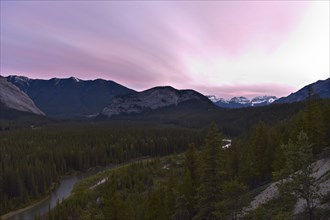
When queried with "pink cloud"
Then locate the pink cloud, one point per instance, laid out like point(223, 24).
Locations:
point(139, 44)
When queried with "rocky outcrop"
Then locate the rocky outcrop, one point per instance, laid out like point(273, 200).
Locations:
point(12, 97)
point(321, 168)
point(151, 99)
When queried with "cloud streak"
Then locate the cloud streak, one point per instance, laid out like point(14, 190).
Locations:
point(197, 45)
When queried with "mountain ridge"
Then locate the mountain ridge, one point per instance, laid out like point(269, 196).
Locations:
point(69, 97)
point(75, 98)
point(318, 89)
point(151, 99)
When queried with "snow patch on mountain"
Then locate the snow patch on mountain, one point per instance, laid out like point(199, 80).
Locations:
point(75, 79)
point(263, 100)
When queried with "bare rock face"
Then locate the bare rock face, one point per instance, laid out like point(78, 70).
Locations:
point(155, 98)
point(13, 97)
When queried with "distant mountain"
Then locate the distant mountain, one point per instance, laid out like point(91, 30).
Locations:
point(319, 89)
point(263, 100)
point(12, 97)
point(154, 99)
point(213, 98)
point(241, 102)
point(69, 97)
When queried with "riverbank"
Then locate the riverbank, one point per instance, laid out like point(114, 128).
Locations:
point(53, 187)
point(18, 211)
point(35, 202)
point(77, 175)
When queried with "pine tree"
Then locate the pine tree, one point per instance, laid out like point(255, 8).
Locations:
point(192, 164)
point(299, 170)
point(262, 152)
point(182, 209)
point(170, 195)
point(111, 209)
point(209, 189)
point(234, 199)
point(186, 203)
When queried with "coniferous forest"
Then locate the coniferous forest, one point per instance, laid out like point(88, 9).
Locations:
point(32, 160)
point(181, 173)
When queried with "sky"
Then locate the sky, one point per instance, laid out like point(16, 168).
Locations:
point(223, 48)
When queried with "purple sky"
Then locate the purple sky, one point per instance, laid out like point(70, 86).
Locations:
point(224, 48)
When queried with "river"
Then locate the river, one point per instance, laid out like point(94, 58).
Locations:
point(62, 192)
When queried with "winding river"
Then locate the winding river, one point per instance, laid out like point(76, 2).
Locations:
point(62, 192)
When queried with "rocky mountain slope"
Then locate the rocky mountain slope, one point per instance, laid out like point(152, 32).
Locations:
point(69, 97)
point(13, 98)
point(152, 99)
point(321, 170)
point(319, 89)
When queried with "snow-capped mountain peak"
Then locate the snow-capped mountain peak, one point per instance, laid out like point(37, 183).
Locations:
point(213, 98)
point(223, 100)
point(263, 99)
point(241, 101)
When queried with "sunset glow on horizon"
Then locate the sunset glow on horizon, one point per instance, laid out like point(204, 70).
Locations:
point(224, 48)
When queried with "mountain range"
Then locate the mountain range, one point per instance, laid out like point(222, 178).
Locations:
point(241, 102)
point(75, 98)
point(69, 97)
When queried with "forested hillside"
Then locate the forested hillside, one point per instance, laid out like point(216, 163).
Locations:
point(200, 185)
point(32, 160)
point(208, 181)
